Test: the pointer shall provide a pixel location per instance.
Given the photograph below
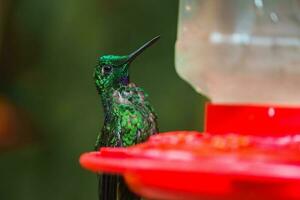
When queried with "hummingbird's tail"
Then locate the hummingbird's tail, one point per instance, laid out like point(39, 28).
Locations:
point(107, 187)
point(113, 187)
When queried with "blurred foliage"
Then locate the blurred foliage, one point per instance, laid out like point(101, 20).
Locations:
point(15, 127)
point(47, 53)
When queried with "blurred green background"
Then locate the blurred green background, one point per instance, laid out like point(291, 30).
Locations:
point(47, 96)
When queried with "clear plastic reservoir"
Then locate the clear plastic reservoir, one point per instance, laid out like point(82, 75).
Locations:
point(241, 51)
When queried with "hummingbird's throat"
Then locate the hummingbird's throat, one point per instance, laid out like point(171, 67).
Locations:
point(124, 80)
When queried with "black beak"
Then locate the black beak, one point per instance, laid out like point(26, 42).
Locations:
point(136, 53)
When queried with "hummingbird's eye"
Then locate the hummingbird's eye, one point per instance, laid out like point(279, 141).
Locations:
point(106, 69)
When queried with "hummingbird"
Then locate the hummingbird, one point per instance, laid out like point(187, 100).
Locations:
point(129, 118)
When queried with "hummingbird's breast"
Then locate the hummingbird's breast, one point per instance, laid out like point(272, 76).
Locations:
point(133, 118)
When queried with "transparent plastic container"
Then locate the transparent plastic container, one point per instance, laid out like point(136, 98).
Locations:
point(241, 51)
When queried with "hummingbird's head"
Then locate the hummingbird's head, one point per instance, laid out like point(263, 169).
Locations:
point(112, 71)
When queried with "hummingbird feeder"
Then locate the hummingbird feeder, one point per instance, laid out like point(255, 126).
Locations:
point(245, 56)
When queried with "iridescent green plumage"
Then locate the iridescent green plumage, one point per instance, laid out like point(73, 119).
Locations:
point(129, 117)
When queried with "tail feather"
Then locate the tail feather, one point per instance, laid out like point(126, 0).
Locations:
point(113, 187)
point(107, 188)
point(125, 193)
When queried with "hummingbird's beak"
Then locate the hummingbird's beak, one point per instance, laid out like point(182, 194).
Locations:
point(140, 50)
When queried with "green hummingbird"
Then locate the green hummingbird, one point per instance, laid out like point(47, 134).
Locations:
point(129, 118)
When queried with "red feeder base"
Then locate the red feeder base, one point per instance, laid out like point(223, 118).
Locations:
point(231, 164)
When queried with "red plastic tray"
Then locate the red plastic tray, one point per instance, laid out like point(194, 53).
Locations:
point(190, 165)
